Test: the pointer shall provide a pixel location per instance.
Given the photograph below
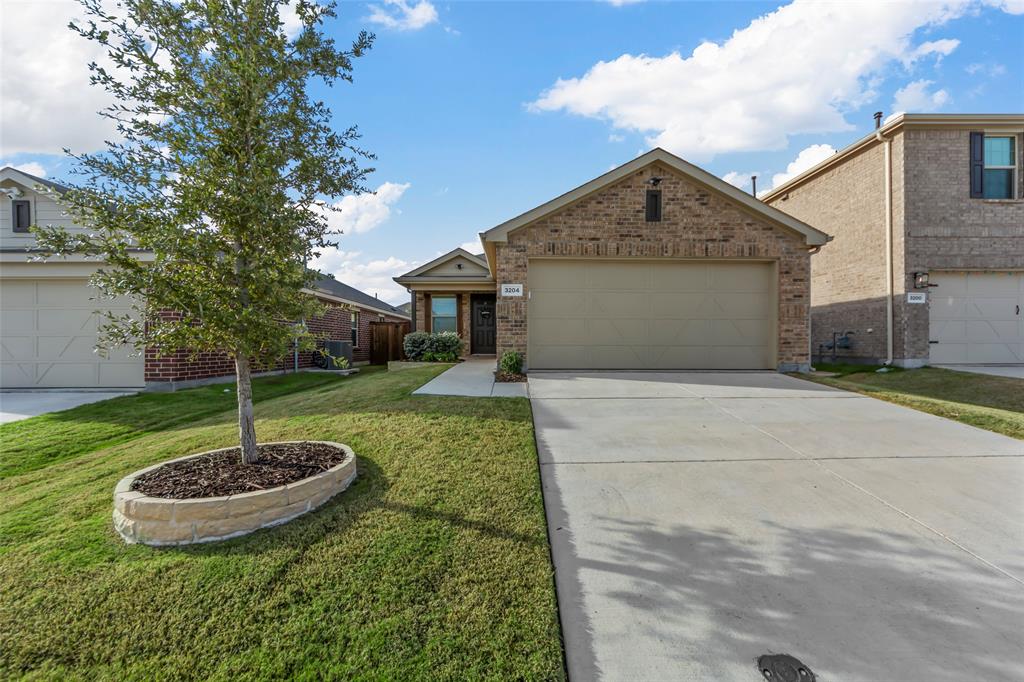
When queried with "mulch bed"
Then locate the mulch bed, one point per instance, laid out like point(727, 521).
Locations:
point(223, 473)
point(508, 378)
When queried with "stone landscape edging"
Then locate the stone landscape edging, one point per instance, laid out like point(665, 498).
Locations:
point(139, 518)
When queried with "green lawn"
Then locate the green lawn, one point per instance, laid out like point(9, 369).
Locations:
point(434, 564)
point(988, 402)
point(50, 438)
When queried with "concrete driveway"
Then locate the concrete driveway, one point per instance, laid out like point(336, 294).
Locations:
point(700, 520)
point(17, 405)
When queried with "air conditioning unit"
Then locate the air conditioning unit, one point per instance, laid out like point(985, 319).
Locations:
point(338, 349)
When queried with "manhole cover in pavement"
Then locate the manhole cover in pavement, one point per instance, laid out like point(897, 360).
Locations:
point(784, 668)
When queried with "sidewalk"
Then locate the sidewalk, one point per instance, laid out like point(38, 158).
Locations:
point(473, 377)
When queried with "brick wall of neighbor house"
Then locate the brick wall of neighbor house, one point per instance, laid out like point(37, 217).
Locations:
point(696, 223)
point(945, 228)
point(936, 226)
point(848, 275)
point(335, 324)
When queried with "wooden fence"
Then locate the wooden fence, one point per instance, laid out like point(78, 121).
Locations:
point(386, 341)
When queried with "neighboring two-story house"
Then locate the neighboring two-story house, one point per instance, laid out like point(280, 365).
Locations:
point(48, 320)
point(927, 261)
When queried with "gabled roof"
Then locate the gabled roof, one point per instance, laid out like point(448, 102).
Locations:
point(988, 122)
point(336, 289)
point(29, 180)
point(441, 260)
point(813, 237)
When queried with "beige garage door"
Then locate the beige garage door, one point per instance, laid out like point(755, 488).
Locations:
point(975, 318)
point(592, 314)
point(47, 334)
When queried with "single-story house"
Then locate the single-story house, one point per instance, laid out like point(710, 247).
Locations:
point(927, 265)
point(48, 323)
point(656, 264)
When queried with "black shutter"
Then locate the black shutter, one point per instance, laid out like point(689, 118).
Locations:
point(22, 215)
point(653, 205)
point(977, 165)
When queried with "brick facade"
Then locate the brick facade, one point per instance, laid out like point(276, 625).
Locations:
point(936, 226)
point(335, 324)
point(696, 223)
point(463, 313)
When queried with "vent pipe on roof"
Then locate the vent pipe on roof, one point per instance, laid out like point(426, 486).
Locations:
point(878, 120)
point(753, 185)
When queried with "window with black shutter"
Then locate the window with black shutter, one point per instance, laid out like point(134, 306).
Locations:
point(993, 166)
point(653, 205)
point(21, 216)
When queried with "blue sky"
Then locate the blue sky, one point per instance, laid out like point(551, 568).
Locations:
point(479, 111)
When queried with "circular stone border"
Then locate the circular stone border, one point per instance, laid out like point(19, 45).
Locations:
point(139, 518)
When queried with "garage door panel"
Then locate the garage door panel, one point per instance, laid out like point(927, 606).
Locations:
point(739, 277)
point(671, 278)
point(558, 304)
point(618, 305)
point(650, 315)
point(48, 335)
point(617, 332)
point(974, 317)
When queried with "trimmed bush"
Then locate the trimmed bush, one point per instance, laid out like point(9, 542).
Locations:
point(416, 344)
point(511, 362)
point(440, 347)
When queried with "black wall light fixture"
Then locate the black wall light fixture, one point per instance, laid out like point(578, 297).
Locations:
point(921, 281)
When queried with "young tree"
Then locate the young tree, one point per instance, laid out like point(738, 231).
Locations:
point(211, 204)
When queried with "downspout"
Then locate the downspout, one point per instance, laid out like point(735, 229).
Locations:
point(887, 175)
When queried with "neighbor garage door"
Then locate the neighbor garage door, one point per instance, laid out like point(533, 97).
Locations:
point(593, 314)
point(48, 331)
point(976, 318)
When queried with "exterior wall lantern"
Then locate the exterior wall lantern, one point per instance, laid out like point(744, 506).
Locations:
point(921, 281)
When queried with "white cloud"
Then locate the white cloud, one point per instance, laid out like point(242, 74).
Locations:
point(372, 276)
point(473, 246)
point(738, 179)
point(363, 212)
point(991, 70)
point(402, 15)
point(615, 137)
point(48, 103)
point(32, 168)
point(621, 3)
point(915, 97)
point(796, 70)
point(809, 156)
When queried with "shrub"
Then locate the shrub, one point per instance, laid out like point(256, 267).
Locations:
point(447, 344)
point(511, 362)
point(416, 344)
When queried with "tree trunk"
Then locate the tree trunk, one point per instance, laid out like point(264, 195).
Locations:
point(246, 421)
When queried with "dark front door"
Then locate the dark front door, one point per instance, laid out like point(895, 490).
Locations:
point(482, 331)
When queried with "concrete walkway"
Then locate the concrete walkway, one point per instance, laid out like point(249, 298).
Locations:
point(473, 377)
point(18, 405)
point(1011, 371)
point(700, 520)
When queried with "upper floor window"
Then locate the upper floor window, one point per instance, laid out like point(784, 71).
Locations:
point(21, 217)
point(1000, 167)
point(653, 208)
point(442, 314)
point(993, 166)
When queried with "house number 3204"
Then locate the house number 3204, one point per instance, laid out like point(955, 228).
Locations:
point(511, 289)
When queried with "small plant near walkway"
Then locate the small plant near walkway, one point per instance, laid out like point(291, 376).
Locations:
point(510, 367)
point(427, 347)
point(988, 402)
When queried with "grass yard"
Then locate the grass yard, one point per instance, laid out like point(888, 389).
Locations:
point(434, 564)
point(988, 402)
point(50, 438)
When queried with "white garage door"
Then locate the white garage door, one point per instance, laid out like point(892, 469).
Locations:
point(591, 314)
point(48, 330)
point(975, 318)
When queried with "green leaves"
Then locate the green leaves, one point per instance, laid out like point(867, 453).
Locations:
point(209, 207)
